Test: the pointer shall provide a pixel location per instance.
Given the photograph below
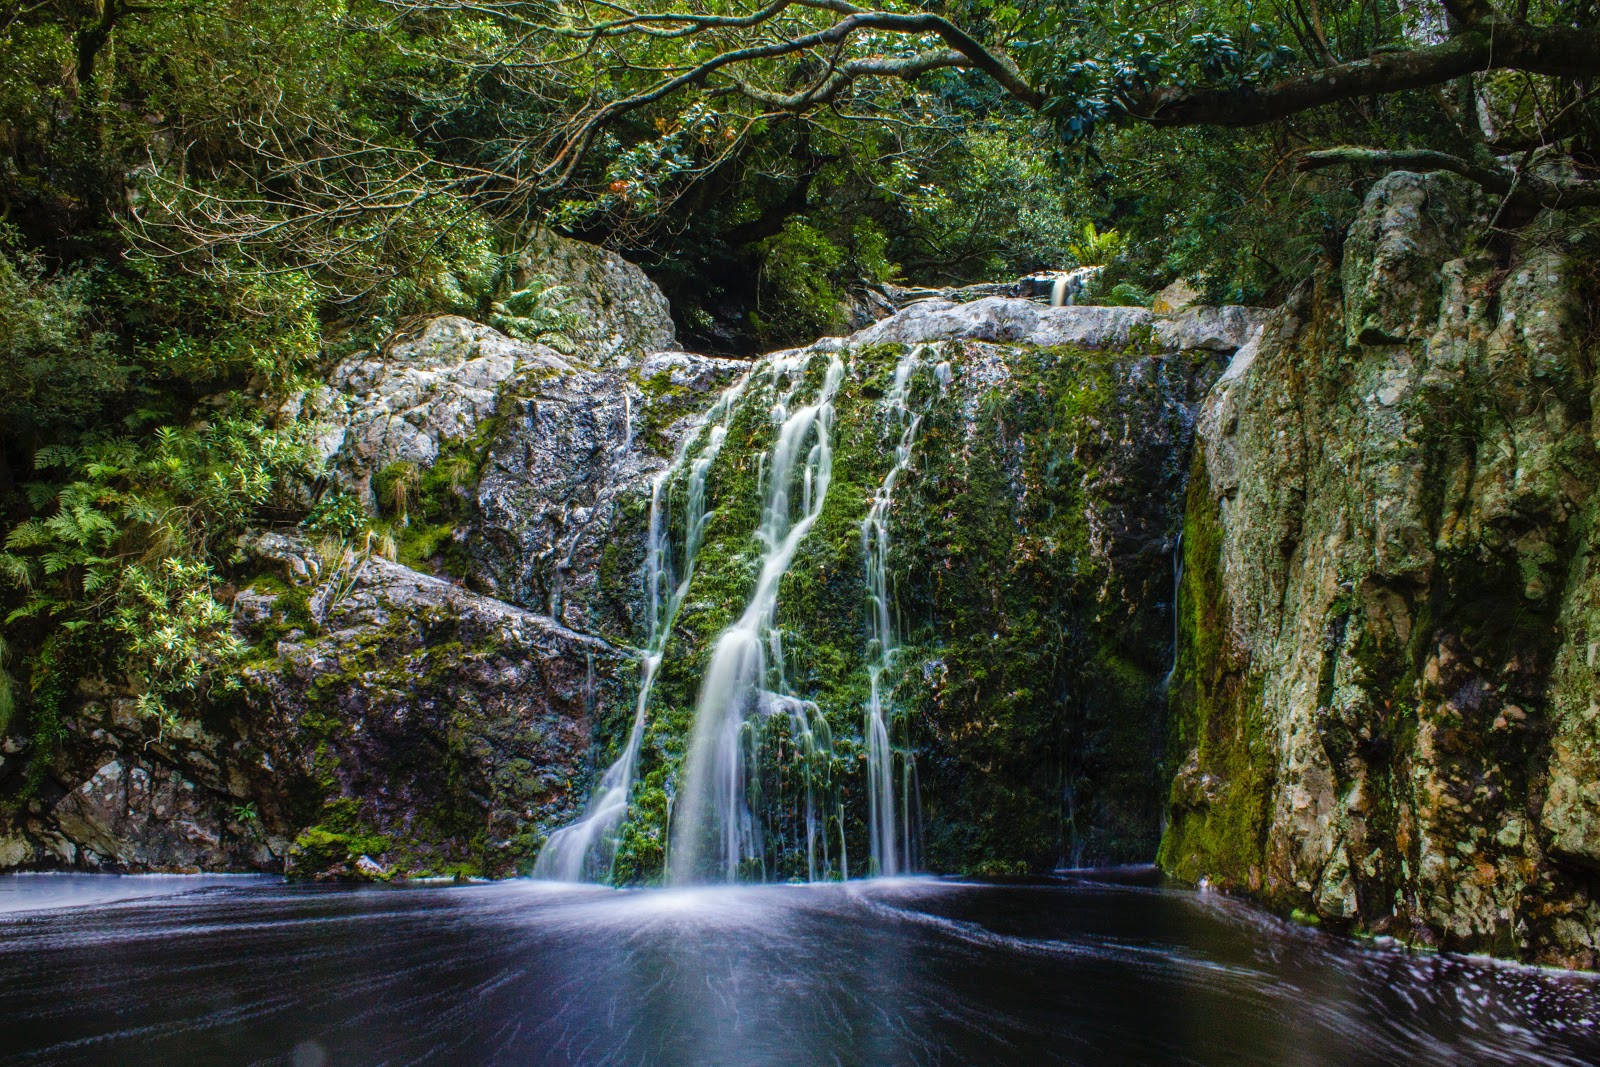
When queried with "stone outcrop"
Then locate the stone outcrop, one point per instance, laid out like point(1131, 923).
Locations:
point(393, 716)
point(619, 315)
point(441, 384)
point(1385, 709)
point(1010, 320)
point(396, 723)
point(410, 401)
point(425, 727)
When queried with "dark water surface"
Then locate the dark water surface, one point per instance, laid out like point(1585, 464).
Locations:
point(1076, 970)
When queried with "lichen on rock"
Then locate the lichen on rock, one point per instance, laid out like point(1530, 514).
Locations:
point(1386, 676)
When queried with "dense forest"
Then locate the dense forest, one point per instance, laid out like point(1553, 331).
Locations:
point(203, 204)
point(785, 531)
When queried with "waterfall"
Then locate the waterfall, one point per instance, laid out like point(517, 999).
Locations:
point(586, 847)
point(1069, 285)
point(711, 807)
point(890, 837)
point(1177, 620)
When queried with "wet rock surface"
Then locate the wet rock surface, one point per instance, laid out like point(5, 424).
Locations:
point(1389, 622)
point(563, 478)
point(408, 402)
point(425, 728)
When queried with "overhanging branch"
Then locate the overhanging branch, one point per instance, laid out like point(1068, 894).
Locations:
point(1518, 187)
point(1561, 52)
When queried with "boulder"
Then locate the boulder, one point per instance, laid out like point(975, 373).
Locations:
point(1409, 226)
point(1005, 320)
point(417, 396)
point(619, 314)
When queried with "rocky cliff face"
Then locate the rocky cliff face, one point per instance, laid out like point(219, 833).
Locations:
point(446, 712)
point(1385, 707)
point(393, 721)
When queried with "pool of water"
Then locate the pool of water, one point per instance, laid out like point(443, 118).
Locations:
point(1105, 968)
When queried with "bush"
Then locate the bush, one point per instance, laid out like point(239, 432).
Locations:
point(57, 366)
point(125, 548)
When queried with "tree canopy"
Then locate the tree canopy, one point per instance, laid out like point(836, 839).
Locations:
point(211, 199)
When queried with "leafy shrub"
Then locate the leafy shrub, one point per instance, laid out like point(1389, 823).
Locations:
point(1126, 294)
point(125, 548)
point(57, 366)
point(1094, 248)
point(799, 291)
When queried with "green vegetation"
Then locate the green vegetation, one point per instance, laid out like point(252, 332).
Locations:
point(204, 205)
point(124, 555)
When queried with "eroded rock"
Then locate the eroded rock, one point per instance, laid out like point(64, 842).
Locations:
point(1390, 600)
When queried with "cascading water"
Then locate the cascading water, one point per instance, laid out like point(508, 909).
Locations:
point(586, 848)
point(1069, 285)
point(1177, 620)
point(714, 832)
point(889, 836)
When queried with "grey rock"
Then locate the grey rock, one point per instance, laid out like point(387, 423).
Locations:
point(1016, 321)
point(572, 449)
point(410, 674)
point(620, 313)
point(408, 402)
point(1410, 225)
point(301, 565)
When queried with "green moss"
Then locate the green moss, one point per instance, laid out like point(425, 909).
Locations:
point(291, 611)
point(1032, 694)
point(1016, 682)
point(1216, 714)
point(319, 849)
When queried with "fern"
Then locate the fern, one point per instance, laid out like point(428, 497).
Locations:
point(50, 456)
point(1096, 248)
point(123, 541)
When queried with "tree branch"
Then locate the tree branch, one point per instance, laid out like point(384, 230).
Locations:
point(1520, 188)
point(560, 169)
point(1561, 52)
point(847, 72)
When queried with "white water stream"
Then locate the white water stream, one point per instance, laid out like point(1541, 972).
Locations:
point(889, 835)
point(586, 848)
point(714, 832)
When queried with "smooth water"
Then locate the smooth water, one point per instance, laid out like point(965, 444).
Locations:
point(1094, 968)
point(583, 851)
point(714, 832)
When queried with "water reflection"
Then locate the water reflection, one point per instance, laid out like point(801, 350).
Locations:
point(1076, 970)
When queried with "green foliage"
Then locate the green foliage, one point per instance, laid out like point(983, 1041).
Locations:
point(222, 323)
point(54, 673)
point(397, 487)
point(1125, 294)
point(338, 514)
point(8, 687)
point(1093, 248)
point(127, 547)
point(57, 364)
point(482, 283)
point(800, 280)
point(175, 633)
